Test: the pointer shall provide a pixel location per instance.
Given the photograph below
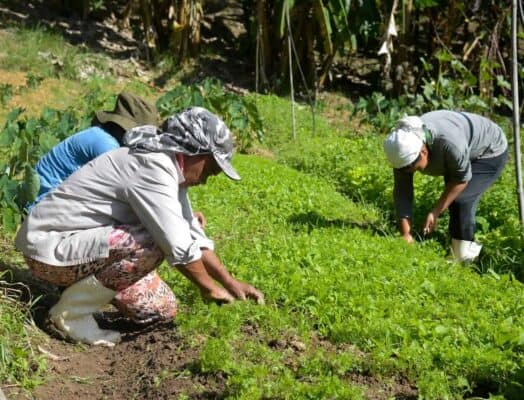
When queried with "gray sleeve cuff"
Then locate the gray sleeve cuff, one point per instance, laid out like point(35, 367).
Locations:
point(183, 257)
point(198, 234)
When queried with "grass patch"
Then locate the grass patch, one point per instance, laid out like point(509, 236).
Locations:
point(19, 364)
point(48, 54)
point(328, 274)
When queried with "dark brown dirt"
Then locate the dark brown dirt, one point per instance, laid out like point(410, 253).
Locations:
point(150, 363)
point(156, 363)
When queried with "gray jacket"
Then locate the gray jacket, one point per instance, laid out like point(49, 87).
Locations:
point(71, 225)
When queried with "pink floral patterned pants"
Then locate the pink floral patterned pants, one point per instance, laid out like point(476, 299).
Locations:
point(129, 270)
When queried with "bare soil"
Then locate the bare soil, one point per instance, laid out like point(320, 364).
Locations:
point(151, 362)
point(148, 364)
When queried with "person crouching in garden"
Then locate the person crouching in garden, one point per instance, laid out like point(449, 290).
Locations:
point(468, 150)
point(104, 230)
point(105, 134)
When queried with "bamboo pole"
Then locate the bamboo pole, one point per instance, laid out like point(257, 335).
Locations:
point(288, 22)
point(516, 110)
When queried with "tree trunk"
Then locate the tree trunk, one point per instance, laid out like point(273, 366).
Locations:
point(263, 41)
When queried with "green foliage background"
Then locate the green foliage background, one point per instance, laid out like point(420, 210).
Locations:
point(311, 225)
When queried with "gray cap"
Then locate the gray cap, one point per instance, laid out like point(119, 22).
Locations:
point(193, 131)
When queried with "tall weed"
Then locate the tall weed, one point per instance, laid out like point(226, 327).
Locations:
point(19, 364)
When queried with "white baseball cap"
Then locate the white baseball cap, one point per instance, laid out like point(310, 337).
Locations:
point(403, 145)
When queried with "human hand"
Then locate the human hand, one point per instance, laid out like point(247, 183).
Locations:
point(430, 224)
point(201, 219)
point(408, 238)
point(243, 291)
point(217, 294)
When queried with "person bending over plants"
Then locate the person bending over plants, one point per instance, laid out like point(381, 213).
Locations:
point(105, 134)
point(103, 231)
point(468, 150)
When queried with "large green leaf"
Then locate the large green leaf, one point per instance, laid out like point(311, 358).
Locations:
point(9, 190)
point(8, 134)
point(31, 126)
point(29, 188)
point(9, 220)
point(47, 141)
point(322, 14)
point(14, 114)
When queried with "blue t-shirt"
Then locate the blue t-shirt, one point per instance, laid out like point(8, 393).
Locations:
point(69, 155)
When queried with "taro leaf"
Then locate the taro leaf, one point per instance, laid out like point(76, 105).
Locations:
point(8, 134)
point(47, 141)
point(9, 219)
point(238, 118)
point(9, 189)
point(235, 108)
point(239, 123)
point(198, 100)
point(31, 125)
point(29, 188)
point(14, 114)
point(48, 115)
point(64, 127)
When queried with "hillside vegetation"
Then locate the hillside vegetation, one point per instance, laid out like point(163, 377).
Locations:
point(352, 311)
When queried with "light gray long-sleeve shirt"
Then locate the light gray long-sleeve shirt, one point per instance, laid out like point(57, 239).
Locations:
point(71, 225)
point(456, 138)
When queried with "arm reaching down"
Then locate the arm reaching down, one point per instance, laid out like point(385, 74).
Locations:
point(203, 274)
point(239, 290)
point(209, 290)
point(450, 193)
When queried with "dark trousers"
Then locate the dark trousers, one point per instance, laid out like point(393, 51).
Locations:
point(462, 211)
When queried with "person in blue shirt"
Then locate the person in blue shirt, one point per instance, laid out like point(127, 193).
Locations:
point(105, 134)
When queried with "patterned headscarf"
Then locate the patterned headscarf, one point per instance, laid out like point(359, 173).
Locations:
point(191, 132)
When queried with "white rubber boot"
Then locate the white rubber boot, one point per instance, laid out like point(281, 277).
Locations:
point(73, 314)
point(464, 250)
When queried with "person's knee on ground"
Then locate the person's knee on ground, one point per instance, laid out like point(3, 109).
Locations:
point(73, 314)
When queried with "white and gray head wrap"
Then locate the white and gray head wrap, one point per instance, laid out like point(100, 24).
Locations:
point(404, 143)
point(193, 131)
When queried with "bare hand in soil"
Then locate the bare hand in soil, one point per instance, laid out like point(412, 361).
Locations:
point(244, 291)
point(218, 295)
